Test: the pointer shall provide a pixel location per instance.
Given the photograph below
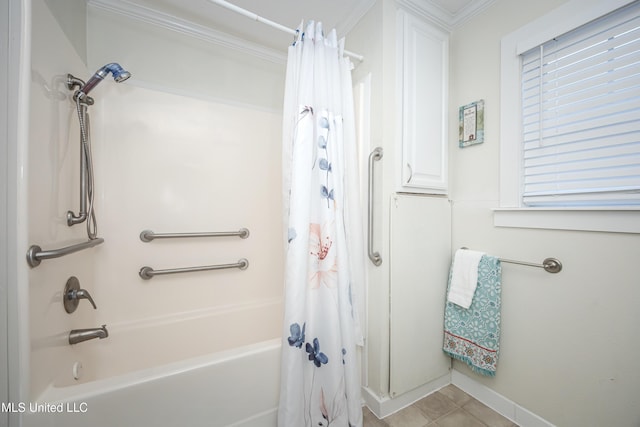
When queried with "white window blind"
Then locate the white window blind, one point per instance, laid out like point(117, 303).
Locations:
point(581, 115)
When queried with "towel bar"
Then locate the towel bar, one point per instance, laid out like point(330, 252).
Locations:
point(550, 265)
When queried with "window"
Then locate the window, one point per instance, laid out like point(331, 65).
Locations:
point(571, 141)
point(581, 115)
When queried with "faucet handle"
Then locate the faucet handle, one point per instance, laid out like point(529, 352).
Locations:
point(73, 294)
point(84, 294)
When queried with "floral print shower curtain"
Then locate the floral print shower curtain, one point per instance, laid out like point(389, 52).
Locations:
point(320, 379)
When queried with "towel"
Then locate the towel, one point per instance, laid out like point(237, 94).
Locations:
point(464, 277)
point(473, 335)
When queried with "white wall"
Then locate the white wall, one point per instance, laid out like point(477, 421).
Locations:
point(568, 340)
point(374, 38)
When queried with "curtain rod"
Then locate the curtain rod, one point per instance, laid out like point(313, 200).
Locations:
point(280, 27)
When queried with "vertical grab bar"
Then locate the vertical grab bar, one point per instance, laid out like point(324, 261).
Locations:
point(375, 257)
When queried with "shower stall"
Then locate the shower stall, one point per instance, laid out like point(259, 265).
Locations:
point(199, 155)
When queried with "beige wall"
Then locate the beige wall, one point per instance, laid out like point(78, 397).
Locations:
point(569, 340)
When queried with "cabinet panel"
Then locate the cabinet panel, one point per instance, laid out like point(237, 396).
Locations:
point(423, 70)
point(419, 267)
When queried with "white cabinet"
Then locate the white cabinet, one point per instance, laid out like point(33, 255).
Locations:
point(422, 50)
point(419, 268)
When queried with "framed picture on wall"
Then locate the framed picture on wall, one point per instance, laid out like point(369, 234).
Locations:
point(471, 128)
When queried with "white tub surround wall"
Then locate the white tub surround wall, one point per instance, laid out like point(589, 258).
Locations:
point(185, 165)
point(53, 180)
point(565, 337)
point(173, 55)
point(15, 30)
point(132, 345)
point(171, 158)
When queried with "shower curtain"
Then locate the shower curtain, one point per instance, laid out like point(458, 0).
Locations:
point(324, 272)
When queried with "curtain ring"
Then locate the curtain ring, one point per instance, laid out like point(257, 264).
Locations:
point(295, 36)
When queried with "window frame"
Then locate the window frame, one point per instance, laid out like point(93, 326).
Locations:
point(511, 212)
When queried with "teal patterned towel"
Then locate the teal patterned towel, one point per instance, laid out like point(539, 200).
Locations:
point(473, 335)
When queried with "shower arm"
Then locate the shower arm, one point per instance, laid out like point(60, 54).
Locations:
point(72, 83)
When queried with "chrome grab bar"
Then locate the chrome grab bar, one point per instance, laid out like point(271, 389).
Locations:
point(373, 256)
point(147, 272)
point(148, 235)
point(35, 254)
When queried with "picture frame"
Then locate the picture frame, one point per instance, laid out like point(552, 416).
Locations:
point(471, 127)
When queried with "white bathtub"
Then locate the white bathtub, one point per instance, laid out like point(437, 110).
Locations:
point(147, 375)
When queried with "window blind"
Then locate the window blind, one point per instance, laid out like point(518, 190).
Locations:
point(581, 115)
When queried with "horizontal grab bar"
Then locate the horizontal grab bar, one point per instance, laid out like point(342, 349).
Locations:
point(35, 254)
point(148, 235)
point(147, 272)
point(550, 265)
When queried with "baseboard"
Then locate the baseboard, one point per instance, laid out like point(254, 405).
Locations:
point(385, 406)
point(505, 407)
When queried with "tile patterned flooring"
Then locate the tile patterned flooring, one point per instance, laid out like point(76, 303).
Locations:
point(448, 407)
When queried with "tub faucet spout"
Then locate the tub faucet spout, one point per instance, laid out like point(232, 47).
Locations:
point(79, 335)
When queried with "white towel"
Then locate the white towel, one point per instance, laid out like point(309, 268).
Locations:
point(464, 277)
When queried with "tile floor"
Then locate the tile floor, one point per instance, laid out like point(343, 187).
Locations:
point(448, 407)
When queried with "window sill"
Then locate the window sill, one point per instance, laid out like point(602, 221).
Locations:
point(609, 220)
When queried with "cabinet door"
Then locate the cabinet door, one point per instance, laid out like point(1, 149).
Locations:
point(419, 267)
point(424, 51)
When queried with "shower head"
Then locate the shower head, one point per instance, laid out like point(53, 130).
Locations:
point(119, 75)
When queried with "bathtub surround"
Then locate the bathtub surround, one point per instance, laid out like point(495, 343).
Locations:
point(324, 269)
point(166, 158)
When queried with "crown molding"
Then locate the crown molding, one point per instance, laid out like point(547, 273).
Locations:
point(472, 9)
point(352, 19)
point(442, 17)
point(153, 17)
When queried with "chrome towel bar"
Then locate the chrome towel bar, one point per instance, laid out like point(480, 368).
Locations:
point(147, 272)
point(550, 265)
point(35, 254)
point(148, 235)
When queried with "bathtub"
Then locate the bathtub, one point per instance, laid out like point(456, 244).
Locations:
point(150, 373)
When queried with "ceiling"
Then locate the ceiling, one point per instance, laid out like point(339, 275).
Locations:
point(339, 14)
